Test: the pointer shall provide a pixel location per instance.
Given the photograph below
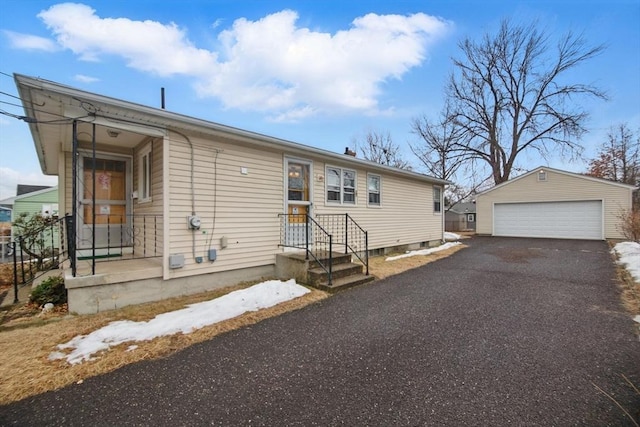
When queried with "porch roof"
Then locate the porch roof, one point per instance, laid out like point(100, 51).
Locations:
point(51, 108)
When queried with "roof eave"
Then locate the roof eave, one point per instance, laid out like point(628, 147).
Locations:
point(183, 122)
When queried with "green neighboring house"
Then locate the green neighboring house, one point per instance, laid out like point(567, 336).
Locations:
point(45, 202)
point(42, 201)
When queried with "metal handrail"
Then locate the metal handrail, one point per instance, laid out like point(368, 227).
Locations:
point(312, 249)
point(350, 231)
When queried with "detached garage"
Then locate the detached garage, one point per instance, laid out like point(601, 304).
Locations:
point(551, 203)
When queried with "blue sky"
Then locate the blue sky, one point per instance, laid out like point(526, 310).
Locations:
point(320, 73)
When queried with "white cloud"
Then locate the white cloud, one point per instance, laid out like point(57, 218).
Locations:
point(268, 65)
point(30, 42)
point(85, 79)
point(10, 178)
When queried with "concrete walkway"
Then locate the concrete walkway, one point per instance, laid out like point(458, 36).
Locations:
point(518, 332)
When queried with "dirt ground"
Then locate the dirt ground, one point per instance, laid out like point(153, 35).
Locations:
point(28, 336)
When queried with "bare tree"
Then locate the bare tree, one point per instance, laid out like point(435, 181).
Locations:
point(509, 94)
point(618, 158)
point(379, 147)
point(439, 150)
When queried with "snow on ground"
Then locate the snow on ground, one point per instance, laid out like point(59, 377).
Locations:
point(629, 257)
point(187, 320)
point(450, 237)
point(424, 251)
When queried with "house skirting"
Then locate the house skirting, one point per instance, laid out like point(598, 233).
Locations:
point(102, 292)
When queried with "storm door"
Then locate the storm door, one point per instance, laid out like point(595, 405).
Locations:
point(109, 216)
point(298, 203)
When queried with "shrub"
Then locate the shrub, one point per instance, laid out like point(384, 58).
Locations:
point(50, 290)
point(630, 224)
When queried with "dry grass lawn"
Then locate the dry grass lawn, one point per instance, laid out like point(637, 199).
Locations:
point(27, 339)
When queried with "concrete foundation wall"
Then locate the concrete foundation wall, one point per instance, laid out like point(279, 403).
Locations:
point(87, 295)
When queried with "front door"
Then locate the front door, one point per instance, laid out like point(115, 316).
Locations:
point(109, 216)
point(298, 204)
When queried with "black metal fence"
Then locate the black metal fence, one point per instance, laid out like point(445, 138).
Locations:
point(37, 252)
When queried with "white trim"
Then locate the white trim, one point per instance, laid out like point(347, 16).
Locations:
point(144, 194)
point(166, 211)
point(285, 191)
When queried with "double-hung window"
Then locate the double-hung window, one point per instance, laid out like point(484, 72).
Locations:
point(373, 189)
point(341, 185)
point(437, 200)
point(144, 174)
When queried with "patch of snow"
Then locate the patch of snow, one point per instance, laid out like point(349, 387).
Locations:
point(189, 319)
point(56, 355)
point(637, 318)
point(629, 257)
point(451, 237)
point(424, 251)
point(132, 347)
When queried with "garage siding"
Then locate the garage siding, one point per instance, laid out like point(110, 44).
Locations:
point(559, 186)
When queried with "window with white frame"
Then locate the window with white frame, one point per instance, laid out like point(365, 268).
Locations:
point(373, 189)
point(471, 217)
point(341, 185)
point(50, 210)
point(437, 200)
point(144, 174)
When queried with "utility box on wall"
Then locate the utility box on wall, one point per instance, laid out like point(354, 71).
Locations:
point(213, 254)
point(176, 261)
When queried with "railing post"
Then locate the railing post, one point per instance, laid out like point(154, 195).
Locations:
point(15, 272)
point(366, 250)
point(306, 236)
point(346, 233)
point(330, 259)
point(70, 226)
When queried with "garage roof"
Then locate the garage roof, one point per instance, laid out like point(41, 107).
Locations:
point(575, 175)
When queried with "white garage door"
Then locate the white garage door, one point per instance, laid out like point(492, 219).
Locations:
point(564, 220)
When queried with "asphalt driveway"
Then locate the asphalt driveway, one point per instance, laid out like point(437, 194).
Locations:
point(505, 332)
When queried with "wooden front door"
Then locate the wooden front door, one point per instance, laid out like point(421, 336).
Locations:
point(109, 216)
point(298, 204)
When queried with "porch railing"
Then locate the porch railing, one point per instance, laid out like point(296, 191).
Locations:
point(37, 252)
point(348, 235)
point(301, 231)
point(116, 237)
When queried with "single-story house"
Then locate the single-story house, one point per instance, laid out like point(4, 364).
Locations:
point(180, 205)
point(461, 217)
point(552, 203)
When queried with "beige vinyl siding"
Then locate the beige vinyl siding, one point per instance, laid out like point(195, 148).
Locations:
point(148, 218)
point(558, 187)
point(405, 215)
point(246, 206)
